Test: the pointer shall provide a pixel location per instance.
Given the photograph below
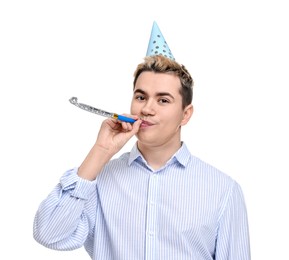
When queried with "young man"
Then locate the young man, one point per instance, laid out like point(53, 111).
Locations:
point(156, 202)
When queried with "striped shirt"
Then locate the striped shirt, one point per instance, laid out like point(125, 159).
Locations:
point(188, 209)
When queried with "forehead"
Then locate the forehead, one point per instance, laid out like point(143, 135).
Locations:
point(158, 82)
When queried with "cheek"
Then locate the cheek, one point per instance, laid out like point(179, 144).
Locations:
point(134, 108)
point(174, 114)
point(176, 120)
point(132, 105)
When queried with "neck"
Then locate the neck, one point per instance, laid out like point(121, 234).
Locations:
point(157, 156)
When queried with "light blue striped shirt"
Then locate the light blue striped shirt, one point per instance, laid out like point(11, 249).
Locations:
point(185, 210)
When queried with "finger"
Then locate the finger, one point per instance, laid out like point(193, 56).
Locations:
point(124, 125)
point(113, 124)
point(136, 126)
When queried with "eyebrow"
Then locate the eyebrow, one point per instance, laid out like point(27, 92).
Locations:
point(158, 94)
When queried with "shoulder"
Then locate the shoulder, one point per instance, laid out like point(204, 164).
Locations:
point(215, 182)
point(115, 168)
point(208, 173)
point(118, 162)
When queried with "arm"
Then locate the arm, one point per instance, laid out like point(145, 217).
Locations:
point(65, 219)
point(233, 233)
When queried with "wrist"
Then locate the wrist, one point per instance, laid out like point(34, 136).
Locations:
point(94, 162)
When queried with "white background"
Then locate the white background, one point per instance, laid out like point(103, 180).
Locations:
point(237, 53)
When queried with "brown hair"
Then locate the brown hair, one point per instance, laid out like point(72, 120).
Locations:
point(161, 64)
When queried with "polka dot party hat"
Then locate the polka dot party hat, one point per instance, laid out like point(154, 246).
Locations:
point(157, 44)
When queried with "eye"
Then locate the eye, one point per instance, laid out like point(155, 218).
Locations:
point(164, 101)
point(140, 97)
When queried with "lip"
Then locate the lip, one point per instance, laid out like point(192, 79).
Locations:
point(146, 123)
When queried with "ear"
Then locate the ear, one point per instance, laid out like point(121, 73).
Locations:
point(187, 113)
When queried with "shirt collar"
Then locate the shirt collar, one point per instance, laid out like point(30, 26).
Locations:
point(134, 155)
point(182, 156)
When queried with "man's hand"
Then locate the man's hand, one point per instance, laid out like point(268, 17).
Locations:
point(112, 136)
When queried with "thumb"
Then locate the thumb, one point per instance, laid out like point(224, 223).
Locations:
point(135, 127)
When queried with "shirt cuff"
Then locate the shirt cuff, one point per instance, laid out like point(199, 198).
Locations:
point(78, 187)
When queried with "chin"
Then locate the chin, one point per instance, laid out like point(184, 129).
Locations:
point(149, 141)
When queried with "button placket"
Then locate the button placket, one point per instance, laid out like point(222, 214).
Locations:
point(151, 217)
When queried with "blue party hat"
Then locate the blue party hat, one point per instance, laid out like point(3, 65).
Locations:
point(157, 44)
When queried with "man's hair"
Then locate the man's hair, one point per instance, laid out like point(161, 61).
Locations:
point(161, 64)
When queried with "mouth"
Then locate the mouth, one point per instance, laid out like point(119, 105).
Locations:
point(146, 124)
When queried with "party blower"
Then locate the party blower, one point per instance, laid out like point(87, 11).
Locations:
point(100, 112)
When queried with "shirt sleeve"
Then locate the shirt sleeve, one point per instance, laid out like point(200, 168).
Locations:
point(233, 232)
point(65, 219)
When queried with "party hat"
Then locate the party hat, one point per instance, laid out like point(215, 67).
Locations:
point(157, 44)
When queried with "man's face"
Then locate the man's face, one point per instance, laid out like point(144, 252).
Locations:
point(157, 101)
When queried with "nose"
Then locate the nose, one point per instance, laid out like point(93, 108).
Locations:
point(148, 108)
